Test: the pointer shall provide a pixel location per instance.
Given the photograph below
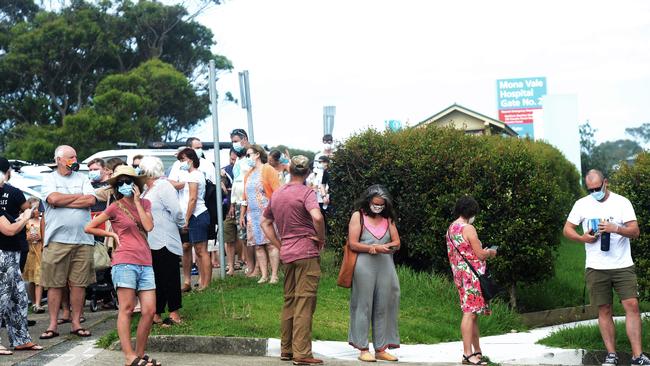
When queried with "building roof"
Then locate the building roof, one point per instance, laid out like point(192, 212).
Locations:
point(457, 107)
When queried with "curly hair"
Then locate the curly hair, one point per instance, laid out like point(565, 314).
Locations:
point(466, 207)
point(376, 190)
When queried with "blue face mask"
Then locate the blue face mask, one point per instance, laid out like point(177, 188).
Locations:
point(138, 171)
point(185, 166)
point(126, 190)
point(237, 146)
point(284, 160)
point(250, 162)
point(94, 175)
point(598, 195)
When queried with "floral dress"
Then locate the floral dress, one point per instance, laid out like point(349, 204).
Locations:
point(469, 288)
point(257, 202)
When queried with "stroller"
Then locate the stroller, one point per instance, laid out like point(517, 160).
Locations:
point(102, 290)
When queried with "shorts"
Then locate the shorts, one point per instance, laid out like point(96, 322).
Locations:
point(135, 276)
point(64, 265)
point(600, 283)
point(199, 228)
point(230, 230)
point(241, 230)
point(185, 236)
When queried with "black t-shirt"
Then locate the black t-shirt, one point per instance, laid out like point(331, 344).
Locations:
point(9, 243)
point(99, 206)
point(11, 201)
point(326, 177)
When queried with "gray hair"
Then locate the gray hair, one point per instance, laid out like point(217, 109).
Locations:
point(152, 167)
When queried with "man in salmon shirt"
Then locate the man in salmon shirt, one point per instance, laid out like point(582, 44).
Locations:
point(295, 211)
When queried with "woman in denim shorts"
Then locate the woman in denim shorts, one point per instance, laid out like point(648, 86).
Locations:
point(132, 271)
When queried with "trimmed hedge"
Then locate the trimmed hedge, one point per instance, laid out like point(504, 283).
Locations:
point(633, 182)
point(525, 190)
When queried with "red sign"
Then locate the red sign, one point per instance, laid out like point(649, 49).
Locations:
point(517, 115)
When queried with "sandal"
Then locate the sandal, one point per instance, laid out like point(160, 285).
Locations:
point(5, 352)
point(63, 321)
point(49, 334)
point(137, 362)
point(37, 309)
point(170, 321)
point(29, 347)
point(81, 332)
point(151, 361)
point(466, 360)
point(186, 288)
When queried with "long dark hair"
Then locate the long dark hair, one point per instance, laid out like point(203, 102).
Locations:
point(376, 190)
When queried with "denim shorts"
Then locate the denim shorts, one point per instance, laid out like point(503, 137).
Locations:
point(135, 276)
point(198, 228)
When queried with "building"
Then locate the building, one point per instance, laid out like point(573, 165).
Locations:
point(472, 122)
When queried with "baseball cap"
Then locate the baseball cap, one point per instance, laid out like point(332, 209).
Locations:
point(300, 161)
point(4, 164)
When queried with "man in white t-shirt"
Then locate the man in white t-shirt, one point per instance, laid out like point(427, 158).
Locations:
point(604, 214)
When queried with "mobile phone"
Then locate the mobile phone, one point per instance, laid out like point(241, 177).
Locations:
point(494, 247)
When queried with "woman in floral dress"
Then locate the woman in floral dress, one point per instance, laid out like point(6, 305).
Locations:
point(462, 238)
point(260, 183)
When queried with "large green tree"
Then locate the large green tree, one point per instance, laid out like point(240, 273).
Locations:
point(51, 61)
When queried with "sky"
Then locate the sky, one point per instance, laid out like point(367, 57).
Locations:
point(407, 60)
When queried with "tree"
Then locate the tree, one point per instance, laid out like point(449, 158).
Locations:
point(587, 144)
point(149, 103)
point(608, 156)
point(641, 134)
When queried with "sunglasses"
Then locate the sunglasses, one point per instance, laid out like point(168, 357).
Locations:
point(249, 155)
point(124, 181)
point(592, 190)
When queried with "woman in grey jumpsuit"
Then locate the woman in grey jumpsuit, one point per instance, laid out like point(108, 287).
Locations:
point(375, 287)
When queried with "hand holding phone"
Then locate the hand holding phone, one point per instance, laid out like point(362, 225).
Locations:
point(494, 247)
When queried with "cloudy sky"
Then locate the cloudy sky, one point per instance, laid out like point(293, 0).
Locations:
point(379, 60)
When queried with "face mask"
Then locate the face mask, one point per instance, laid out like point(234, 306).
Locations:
point(250, 162)
point(72, 165)
point(138, 171)
point(319, 165)
point(237, 146)
point(185, 166)
point(598, 195)
point(126, 190)
point(199, 152)
point(94, 175)
point(327, 146)
point(377, 208)
point(471, 220)
point(284, 160)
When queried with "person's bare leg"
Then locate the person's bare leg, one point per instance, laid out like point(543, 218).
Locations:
point(251, 261)
point(203, 262)
point(187, 265)
point(633, 324)
point(38, 295)
point(53, 304)
point(148, 309)
point(475, 337)
point(126, 298)
point(274, 258)
point(467, 333)
point(31, 292)
point(230, 253)
point(262, 260)
point(77, 299)
point(606, 326)
point(65, 303)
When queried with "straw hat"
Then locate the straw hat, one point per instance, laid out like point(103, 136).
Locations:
point(126, 170)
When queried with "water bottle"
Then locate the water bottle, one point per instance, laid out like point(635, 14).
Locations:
point(604, 241)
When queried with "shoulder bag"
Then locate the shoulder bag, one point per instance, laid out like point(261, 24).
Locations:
point(349, 261)
point(489, 287)
point(138, 224)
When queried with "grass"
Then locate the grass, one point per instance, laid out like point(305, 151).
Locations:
point(429, 310)
point(588, 337)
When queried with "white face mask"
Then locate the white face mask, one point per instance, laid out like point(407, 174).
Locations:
point(199, 152)
point(327, 146)
point(471, 220)
point(377, 208)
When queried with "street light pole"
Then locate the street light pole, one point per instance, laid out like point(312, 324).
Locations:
point(245, 93)
point(217, 167)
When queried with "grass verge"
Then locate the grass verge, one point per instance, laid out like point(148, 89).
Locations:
point(588, 337)
point(429, 310)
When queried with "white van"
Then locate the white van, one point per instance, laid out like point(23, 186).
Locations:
point(168, 156)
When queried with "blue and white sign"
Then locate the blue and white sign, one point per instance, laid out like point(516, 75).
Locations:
point(524, 93)
point(393, 125)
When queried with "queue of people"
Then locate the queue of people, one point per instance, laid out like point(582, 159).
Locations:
point(276, 207)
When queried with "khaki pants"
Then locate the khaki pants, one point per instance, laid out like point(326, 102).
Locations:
point(300, 287)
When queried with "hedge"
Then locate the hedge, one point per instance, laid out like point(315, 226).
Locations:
point(633, 182)
point(525, 190)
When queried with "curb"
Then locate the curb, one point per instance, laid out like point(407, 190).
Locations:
point(232, 346)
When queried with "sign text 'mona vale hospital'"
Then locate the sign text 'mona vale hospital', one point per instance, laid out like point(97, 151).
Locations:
point(521, 93)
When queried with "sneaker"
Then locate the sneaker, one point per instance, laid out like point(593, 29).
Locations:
point(610, 360)
point(641, 360)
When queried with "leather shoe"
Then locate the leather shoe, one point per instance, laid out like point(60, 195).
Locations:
point(385, 356)
point(307, 361)
point(366, 357)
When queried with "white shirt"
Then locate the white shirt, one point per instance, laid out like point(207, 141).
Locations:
point(184, 194)
point(616, 209)
point(167, 216)
point(205, 167)
point(239, 171)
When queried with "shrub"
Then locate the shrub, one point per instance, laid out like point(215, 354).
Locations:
point(525, 190)
point(633, 182)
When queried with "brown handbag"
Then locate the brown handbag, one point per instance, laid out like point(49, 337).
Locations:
point(349, 261)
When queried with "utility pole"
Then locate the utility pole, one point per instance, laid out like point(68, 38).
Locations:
point(245, 93)
point(329, 112)
point(217, 166)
